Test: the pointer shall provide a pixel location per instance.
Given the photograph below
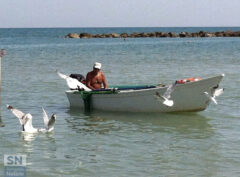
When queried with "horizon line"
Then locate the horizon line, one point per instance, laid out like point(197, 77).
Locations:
point(126, 27)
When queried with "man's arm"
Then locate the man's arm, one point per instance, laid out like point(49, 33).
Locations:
point(104, 81)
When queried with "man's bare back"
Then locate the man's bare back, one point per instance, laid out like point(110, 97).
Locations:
point(96, 78)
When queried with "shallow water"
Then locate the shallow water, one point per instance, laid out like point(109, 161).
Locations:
point(119, 144)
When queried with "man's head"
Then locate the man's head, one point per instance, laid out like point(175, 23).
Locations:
point(97, 67)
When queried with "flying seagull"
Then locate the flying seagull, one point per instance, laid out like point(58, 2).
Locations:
point(26, 121)
point(72, 83)
point(216, 93)
point(167, 95)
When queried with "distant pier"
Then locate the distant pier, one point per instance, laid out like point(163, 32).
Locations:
point(156, 35)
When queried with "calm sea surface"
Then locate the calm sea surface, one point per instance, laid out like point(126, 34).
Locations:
point(114, 144)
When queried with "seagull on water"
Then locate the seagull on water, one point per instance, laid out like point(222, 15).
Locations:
point(216, 93)
point(26, 121)
point(72, 83)
point(167, 95)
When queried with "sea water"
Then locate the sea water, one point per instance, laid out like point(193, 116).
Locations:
point(119, 144)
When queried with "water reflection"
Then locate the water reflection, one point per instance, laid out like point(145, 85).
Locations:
point(28, 137)
point(84, 123)
point(1, 123)
point(26, 140)
point(47, 145)
point(103, 122)
point(45, 142)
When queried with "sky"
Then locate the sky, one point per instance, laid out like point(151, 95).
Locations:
point(119, 13)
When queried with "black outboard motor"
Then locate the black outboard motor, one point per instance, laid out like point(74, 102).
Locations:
point(79, 77)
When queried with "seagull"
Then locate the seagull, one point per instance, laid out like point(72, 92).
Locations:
point(217, 92)
point(72, 83)
point(167, 95)
point(26, 121)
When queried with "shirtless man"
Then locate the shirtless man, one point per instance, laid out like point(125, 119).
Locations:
point(96, 78)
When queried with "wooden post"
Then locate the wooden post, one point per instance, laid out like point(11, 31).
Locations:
point(2, 53)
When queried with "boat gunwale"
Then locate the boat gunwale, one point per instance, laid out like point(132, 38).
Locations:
point(131, 92)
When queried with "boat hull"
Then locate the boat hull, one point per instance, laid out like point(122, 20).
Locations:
point(187, 97)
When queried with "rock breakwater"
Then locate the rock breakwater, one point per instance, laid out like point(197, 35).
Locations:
point(156, 35)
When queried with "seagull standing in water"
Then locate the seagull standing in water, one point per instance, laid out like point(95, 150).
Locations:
point(26, 121)
point(167, 95)
point(215, 94)
point(72, 83)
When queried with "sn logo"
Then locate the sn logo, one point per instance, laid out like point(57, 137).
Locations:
point(14, 160)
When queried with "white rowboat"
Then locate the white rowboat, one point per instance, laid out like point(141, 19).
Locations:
point(189, 96)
